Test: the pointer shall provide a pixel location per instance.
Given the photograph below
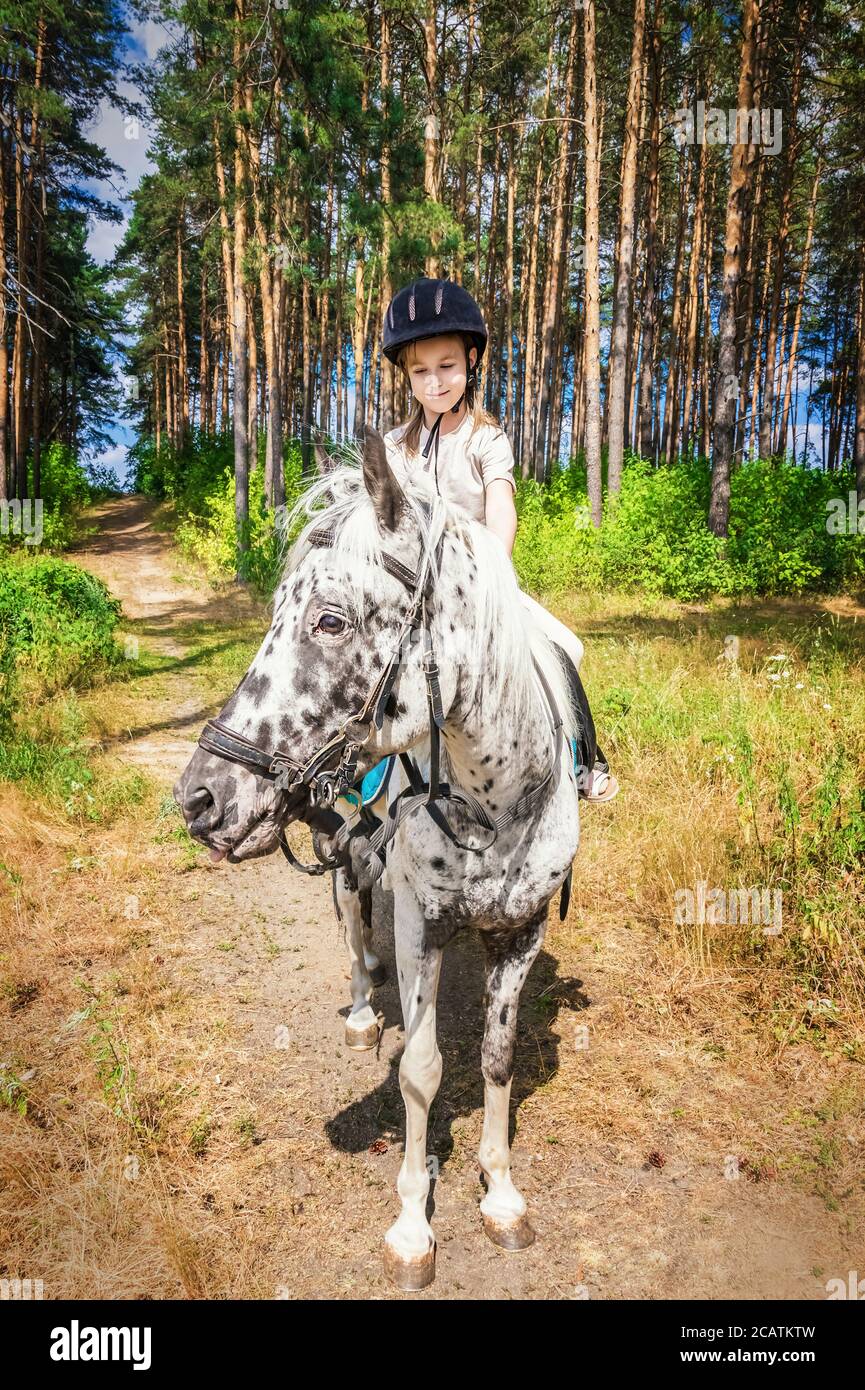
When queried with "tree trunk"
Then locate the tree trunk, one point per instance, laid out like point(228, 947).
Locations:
point(859, 446)
point(182, 367)
point(432, 132)
point(269, 274)
point(791, 155)
point(492, 240)
point(552, 291)
point(528, 294)
point(387, 416)
point(753, 417)
point(781, 442)
point(747, 327)
point(252, 390)
point(203, 363)
point(650, 302)
point(691, 315)
point(671, 390)
point(4, 348)
point(620, 330)
point(513, 160)
point(726, 382)
point(324, 348)
point(240, 345)
point(593, 288)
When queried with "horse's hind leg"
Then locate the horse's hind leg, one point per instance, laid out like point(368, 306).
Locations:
point(354, 909)
point(377, 970)
point(509, 958)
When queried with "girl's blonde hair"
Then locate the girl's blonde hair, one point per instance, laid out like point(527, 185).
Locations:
point(410, 438)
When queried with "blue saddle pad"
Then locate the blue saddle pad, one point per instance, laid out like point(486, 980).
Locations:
point(370, 787)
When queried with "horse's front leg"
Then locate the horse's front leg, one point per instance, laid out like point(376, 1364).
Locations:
point(409, 1244)
point(354, 909)
point(509, 959)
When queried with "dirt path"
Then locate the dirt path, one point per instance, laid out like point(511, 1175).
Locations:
point(623, 1148)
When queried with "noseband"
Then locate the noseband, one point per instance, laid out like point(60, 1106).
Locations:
point(324, 783)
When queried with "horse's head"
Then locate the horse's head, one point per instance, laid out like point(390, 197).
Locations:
point(338, 616)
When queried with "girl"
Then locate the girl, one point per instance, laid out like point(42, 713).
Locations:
point(435, 332)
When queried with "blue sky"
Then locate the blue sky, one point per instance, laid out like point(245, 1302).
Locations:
point(143, 42)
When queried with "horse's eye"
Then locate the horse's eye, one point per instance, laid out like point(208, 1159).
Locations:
point(330, 623)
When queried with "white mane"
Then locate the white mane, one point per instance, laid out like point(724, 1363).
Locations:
point(505, 681)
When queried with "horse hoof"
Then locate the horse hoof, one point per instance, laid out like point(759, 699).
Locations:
point(512, 1235)
point(361, 1039)
point(379, 975)
point(410, 1275)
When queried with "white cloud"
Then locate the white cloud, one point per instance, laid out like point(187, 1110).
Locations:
point(126, 141)
point(151, 37)
point(114, 458)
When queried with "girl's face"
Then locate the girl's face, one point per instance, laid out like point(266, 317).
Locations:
point(436, 369)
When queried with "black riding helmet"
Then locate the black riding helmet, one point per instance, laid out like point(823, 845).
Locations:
point(430, 309)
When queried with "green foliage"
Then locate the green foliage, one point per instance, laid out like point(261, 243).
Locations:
point(654, 536)
point(57, 626)
point(66, 487)
point(200, 482)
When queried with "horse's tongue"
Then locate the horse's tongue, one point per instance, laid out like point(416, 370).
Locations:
point(217, 855)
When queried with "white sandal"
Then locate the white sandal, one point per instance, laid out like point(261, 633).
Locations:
point(603, 786)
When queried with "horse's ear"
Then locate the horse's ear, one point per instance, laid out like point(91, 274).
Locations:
point(387, 496)
point(325, 463)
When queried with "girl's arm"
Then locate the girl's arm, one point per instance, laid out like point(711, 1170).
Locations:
point(501, 514)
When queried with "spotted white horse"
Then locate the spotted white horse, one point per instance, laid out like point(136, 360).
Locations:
point(346, 614)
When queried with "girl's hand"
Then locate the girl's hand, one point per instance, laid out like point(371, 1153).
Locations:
point(501, 514)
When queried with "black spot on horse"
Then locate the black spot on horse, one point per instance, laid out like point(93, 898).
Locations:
point(503, 1016)
point(256, 686)
point(437, 863)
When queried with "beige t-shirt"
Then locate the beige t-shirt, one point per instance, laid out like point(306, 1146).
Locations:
point(467, 463)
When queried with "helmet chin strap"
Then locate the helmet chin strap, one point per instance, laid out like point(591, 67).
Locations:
point(434, 432)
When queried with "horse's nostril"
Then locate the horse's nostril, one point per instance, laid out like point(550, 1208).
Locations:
point(199, 802)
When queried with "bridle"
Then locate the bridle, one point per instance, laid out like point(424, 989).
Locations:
point(324, 783)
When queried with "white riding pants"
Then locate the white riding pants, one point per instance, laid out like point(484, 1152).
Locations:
point(554, 629)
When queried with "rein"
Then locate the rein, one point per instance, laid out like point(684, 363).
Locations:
point(324, 783)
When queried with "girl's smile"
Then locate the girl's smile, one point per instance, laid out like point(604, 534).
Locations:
point(437, 373)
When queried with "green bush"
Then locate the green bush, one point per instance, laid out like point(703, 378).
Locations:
point(654, 536)
point(66, 488)
point(200, 482)
point(57, 625)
